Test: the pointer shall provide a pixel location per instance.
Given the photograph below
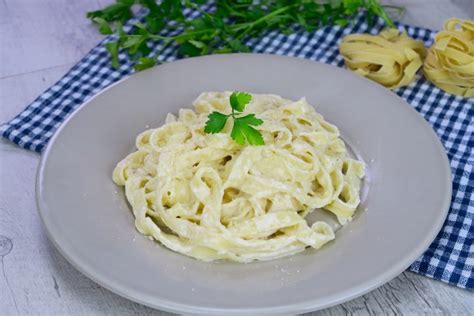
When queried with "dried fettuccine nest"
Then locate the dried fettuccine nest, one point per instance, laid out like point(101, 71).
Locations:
point(450, 61)
point(391, 58)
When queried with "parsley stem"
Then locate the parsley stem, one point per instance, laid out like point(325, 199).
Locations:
point(263, 19)
point(159, 37)
point(180, 36)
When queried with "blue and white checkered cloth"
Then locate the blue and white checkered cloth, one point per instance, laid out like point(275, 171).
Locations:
point(449, 258)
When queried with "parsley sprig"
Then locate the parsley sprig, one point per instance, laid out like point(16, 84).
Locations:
point(242, 130)
point(223, 28)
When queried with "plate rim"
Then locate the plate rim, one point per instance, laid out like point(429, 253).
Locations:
point(306, 306)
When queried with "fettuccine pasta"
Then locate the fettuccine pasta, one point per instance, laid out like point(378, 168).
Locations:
point(391, 58)
point(205, 196)
point(450, 61)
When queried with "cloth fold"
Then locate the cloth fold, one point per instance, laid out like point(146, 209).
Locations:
point(450, 258)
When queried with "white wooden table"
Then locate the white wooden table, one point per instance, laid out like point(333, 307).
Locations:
point(39, 41)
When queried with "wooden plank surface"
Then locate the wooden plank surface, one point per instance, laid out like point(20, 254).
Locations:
point(39, 42)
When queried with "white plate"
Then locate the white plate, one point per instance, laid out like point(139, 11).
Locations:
point(87, 218)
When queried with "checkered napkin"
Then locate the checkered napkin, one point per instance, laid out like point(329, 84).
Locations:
point(449, 258)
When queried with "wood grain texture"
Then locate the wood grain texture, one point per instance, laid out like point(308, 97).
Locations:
point(39, 42)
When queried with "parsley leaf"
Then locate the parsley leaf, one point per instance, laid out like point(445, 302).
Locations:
point(242, 130)
point(216, 122)
point(113, 49)
point(144, 63)
point(120, 11)
point(239, 100)
point(250, 120)
point(352, 6)
point(104, 27)
point(237, 133)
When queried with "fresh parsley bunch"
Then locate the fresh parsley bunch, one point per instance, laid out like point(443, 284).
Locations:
point(242, 130)
point(222, 29)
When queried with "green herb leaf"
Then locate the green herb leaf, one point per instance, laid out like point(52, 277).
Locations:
point(239, 100)
point(223, 50)
point(133, 40)
point(144, 63)
point(120, 11)
point(104, 27)
point(253, 136)
point(250, 119)
point(155, 24)
point(237, 133)
point(189, 49)
point(113, 49)
point(352, 6)
point(242, 129)
point(341, 22)
point(238, 46)
point(198, 44)
point(138, 51)
point(215, 123)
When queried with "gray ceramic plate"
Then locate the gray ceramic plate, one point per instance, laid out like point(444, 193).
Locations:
point(87, 217)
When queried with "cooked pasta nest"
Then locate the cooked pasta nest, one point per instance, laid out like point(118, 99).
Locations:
point(205, 196)
point(450, 61)
point(390, 58)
